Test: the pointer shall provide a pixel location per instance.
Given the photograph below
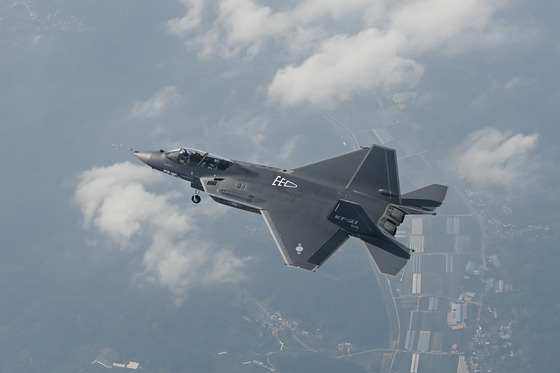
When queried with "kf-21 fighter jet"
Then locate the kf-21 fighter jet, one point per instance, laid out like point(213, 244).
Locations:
point(312, 210)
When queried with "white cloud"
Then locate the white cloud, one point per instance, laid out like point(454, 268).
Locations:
point(346, 47)
point(315, 10)
point(242, 27)
point(245, 22)
point(450, 24)
point(345, 65)
point(180, 26)
point(160, 102)
point(490, 157)
point(116, 202)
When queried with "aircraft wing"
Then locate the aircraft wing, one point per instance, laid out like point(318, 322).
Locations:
point(305, 242)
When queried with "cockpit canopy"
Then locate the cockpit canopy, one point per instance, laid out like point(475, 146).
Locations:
point(198, 159)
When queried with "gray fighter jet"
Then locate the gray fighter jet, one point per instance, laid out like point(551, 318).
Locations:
point(312, 210)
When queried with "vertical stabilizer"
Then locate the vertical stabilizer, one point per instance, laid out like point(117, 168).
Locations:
point(377, 176)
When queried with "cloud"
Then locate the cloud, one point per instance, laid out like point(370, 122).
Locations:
point(346, 47)
point(241, 27)
point(161, 101)
point(115, 201)
point(316, 10)
point(345, 65)
point(246, 23)
point(447, 24)
point(492, 158)
point(518, 82)
point(180, 26)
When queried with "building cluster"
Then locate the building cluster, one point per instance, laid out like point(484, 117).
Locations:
point(492, 338)
point(275, 322)
point(259, 364)
point(130, 365)
point(461, 314)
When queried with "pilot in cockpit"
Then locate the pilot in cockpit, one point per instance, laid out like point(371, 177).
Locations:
point(198, 159)
point(183, 156)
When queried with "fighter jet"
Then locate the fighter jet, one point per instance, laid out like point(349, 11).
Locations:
point(313, 209)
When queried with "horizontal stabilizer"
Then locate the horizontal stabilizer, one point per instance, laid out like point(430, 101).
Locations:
point(389, 255)
point(427, 198)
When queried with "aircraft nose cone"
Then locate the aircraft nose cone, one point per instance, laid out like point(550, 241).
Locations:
point(143, 156)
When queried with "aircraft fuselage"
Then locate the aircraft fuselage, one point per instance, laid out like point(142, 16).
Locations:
point(254, 187)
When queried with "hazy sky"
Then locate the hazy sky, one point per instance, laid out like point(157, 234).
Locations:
point(277, 82)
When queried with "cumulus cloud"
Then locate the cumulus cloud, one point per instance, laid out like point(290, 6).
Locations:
point(116, 202)
point(344, 65)
point(449, 24)
point(493, 158)
point(180, 26)
point(160, 102)
point(245, 23)
point(346, 47)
